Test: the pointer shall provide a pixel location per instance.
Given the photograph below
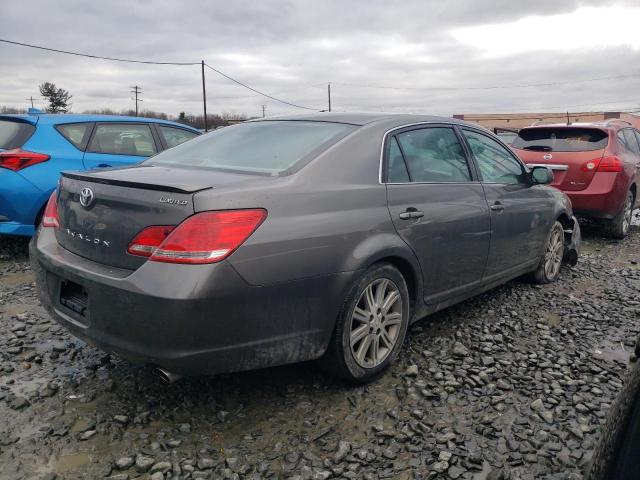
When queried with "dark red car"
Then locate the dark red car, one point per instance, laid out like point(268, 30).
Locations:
point(595, 164)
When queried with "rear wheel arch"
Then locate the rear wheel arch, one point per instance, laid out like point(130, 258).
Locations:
point(411, 277)
point(634, 190)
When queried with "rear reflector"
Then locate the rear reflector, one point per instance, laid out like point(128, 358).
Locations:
point(50, 216)
point(610, 164)
point(17, 159)
point(206, 237)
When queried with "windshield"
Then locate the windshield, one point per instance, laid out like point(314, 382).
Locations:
point(267, 147)
point(563, 139)
point(14, 134)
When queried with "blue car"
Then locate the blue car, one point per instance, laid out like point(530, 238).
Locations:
point(36, 147)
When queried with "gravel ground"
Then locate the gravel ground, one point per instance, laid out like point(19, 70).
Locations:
point(514, 384)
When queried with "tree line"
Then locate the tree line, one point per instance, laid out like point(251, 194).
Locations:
point(59, 102)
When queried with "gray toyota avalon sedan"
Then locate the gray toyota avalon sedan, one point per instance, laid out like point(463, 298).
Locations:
point(290, 239)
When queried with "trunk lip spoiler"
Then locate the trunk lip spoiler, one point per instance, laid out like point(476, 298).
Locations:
point(134, 184)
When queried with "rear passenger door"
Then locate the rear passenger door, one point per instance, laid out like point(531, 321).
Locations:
point(520, 212)
point(119, 144)
point(438, 207)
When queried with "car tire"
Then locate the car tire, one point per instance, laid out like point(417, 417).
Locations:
point(619, 226)
point(548, 269)
point(371, 326)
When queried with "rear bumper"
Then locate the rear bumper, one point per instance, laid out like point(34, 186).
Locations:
point(189, 319)
point(20, 203)
point(15, 228)
point(603, 198)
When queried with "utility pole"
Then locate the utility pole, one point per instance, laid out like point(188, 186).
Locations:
point(264, 107)
point(204, 100)
point(30, 98)
point(329, 94)
point(136, 91)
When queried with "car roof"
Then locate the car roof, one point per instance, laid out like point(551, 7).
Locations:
point(60, 118)
point(361, 119)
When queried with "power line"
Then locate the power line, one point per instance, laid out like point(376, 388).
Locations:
point(78, 54)
point(489, 87)
point(114, 59)
point(257, 91)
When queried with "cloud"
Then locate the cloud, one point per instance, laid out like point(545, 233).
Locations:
point(292, 49)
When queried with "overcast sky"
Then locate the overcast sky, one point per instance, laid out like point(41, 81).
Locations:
point(430, 51)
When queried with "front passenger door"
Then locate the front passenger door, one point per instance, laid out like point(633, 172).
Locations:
point(119, 144)
point(521, 213)
point(438, 207)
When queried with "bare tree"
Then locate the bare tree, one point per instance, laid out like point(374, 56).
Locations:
point(58, 98)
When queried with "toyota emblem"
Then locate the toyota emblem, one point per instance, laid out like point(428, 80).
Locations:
point(86, 197)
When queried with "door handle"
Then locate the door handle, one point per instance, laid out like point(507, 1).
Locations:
point(497, 207)
point(411, 213)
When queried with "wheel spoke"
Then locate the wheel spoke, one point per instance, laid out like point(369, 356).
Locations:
point(358, 334)
point(381, 288)
point(392, 319)
point(361, 315)
point(375, 349)
point(385, 338)
point(391, 298)
point(361, 354)
point(370, 299)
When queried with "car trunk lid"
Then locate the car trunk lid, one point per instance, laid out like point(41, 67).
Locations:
point(572, 153)
point(101, 212)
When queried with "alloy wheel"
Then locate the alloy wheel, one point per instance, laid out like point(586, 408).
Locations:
point(553, 254)
point(375, 323)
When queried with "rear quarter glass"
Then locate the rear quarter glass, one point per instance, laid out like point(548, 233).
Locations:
point(76, 133)
point(14, 134)
point(561, 139)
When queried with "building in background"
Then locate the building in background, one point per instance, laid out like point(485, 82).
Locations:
point(516, 121)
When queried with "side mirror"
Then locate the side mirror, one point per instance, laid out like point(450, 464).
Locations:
point(541, 176)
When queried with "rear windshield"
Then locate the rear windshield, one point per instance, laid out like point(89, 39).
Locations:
point(266, 147)
point(563, 139)
point(14, 134)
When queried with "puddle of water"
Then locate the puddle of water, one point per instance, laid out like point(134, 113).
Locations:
point(482, 475)
point(69, 462)
point(618, 354)
point(13, 279)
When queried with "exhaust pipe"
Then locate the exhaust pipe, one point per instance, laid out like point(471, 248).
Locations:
point(166, 377)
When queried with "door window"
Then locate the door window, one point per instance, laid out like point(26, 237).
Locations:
point(123, 139)
point(175, 136)
point(630, 141)
point(496, 163)
point(433, 155)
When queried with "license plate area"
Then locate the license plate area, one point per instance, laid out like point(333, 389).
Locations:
point(74, 297)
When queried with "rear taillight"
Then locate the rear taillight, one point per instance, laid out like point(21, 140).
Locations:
point(610, 164)
point(148, 240)
point(206, 237)
point(50, 216)
point(17, 159)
